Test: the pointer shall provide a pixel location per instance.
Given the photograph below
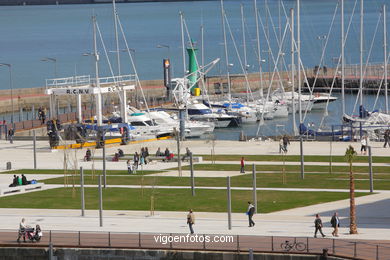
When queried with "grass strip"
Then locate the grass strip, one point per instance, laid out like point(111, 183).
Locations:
point(168, 200)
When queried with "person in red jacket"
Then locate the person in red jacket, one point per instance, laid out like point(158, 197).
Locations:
point(242, 165)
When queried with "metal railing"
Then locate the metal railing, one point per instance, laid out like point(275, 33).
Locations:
point(347, 248)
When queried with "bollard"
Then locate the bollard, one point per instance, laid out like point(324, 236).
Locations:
point(192, 176)
point(51, 256)
point(9, 166)
point(254, 187)
point(35, 149)
point(370, 169)
point(82, 192)
point(229, 201)
point(100, 202)
point(104, 165)
point(251, 254)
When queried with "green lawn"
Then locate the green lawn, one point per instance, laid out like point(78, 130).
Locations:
point(168, 200)
point(288, 168)
point(264, 180)
point(69, 172)
point(291, 158)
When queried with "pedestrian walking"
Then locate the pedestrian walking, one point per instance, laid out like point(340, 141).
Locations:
point(286, 142)
point(22, 230)
point(386, 136)
point(191, 220)
point(11, 133)
point(318, 226)
point(242, 165)
point(335, 222)
point(250, 212)
point(136, 161)
point(129, 169)
point(364, 143)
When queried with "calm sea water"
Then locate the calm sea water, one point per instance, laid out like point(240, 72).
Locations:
point(64, 32)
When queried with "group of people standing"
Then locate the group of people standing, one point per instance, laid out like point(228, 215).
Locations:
point(138, 159)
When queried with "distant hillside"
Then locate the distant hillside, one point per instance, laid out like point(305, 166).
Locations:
point(54, 2)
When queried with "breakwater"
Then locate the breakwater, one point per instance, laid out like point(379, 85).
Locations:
point(61, 2)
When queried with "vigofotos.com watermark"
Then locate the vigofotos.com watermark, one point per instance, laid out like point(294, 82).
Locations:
point(165, 239)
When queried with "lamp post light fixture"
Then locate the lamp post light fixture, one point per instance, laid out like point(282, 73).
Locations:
point(54, 60)
point(11, 87)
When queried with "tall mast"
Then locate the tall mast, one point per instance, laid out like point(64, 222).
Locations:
point(361, 51)
point(295, 130)
point(243, 36)
point(244, 43)
point(299, 60)
point(226, 49)
point(342, 59)
point(98, 105)
point(258, 49)
point(182, 43)
point(299, 88)
point(385, 56)
point(116, 37)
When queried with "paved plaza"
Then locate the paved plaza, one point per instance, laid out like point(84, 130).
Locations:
point(373, 210)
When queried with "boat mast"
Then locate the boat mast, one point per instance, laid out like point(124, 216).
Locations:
point(299, 87)
point(98, 105)
point(385, 56)
point(299, 60)
point(361, 52)
point(182, 43)
point(226, 50)
point(116, 37)
point(245, 55)
point(342, 59)
point(295, 130)
point(259, 50)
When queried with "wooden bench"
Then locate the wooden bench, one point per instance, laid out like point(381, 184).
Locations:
point(21, 188)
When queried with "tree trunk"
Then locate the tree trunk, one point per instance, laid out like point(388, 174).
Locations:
point(352, 206)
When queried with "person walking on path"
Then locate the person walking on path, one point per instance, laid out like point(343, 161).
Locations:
point(129, 170)
point(191, 220)
point(250, 212)
point(286, 142)
point(386, 136)
point(22, 230)
point(11, 133)
point(135, 160)
point(318, 226)
point(364, 142)
point(335, 222)
point(242, 165)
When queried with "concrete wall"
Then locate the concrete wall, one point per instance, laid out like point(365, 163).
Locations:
point(123, 254)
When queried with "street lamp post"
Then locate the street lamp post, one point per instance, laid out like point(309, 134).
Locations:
point(11, 87)
point(54, 60)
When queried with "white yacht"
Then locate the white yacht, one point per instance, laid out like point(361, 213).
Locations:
point(145, 126)
point(192, 128)
point(200, 112)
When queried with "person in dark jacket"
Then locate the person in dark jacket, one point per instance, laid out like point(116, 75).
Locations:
point(11, 133)
point(386, 136)
point(318, 226)
point(24, 180)
point(335, 222)
point(250, 212)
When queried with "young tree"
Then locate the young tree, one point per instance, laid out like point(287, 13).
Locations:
point(350, 154)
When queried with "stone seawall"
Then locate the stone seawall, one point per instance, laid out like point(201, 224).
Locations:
point(138, 254)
